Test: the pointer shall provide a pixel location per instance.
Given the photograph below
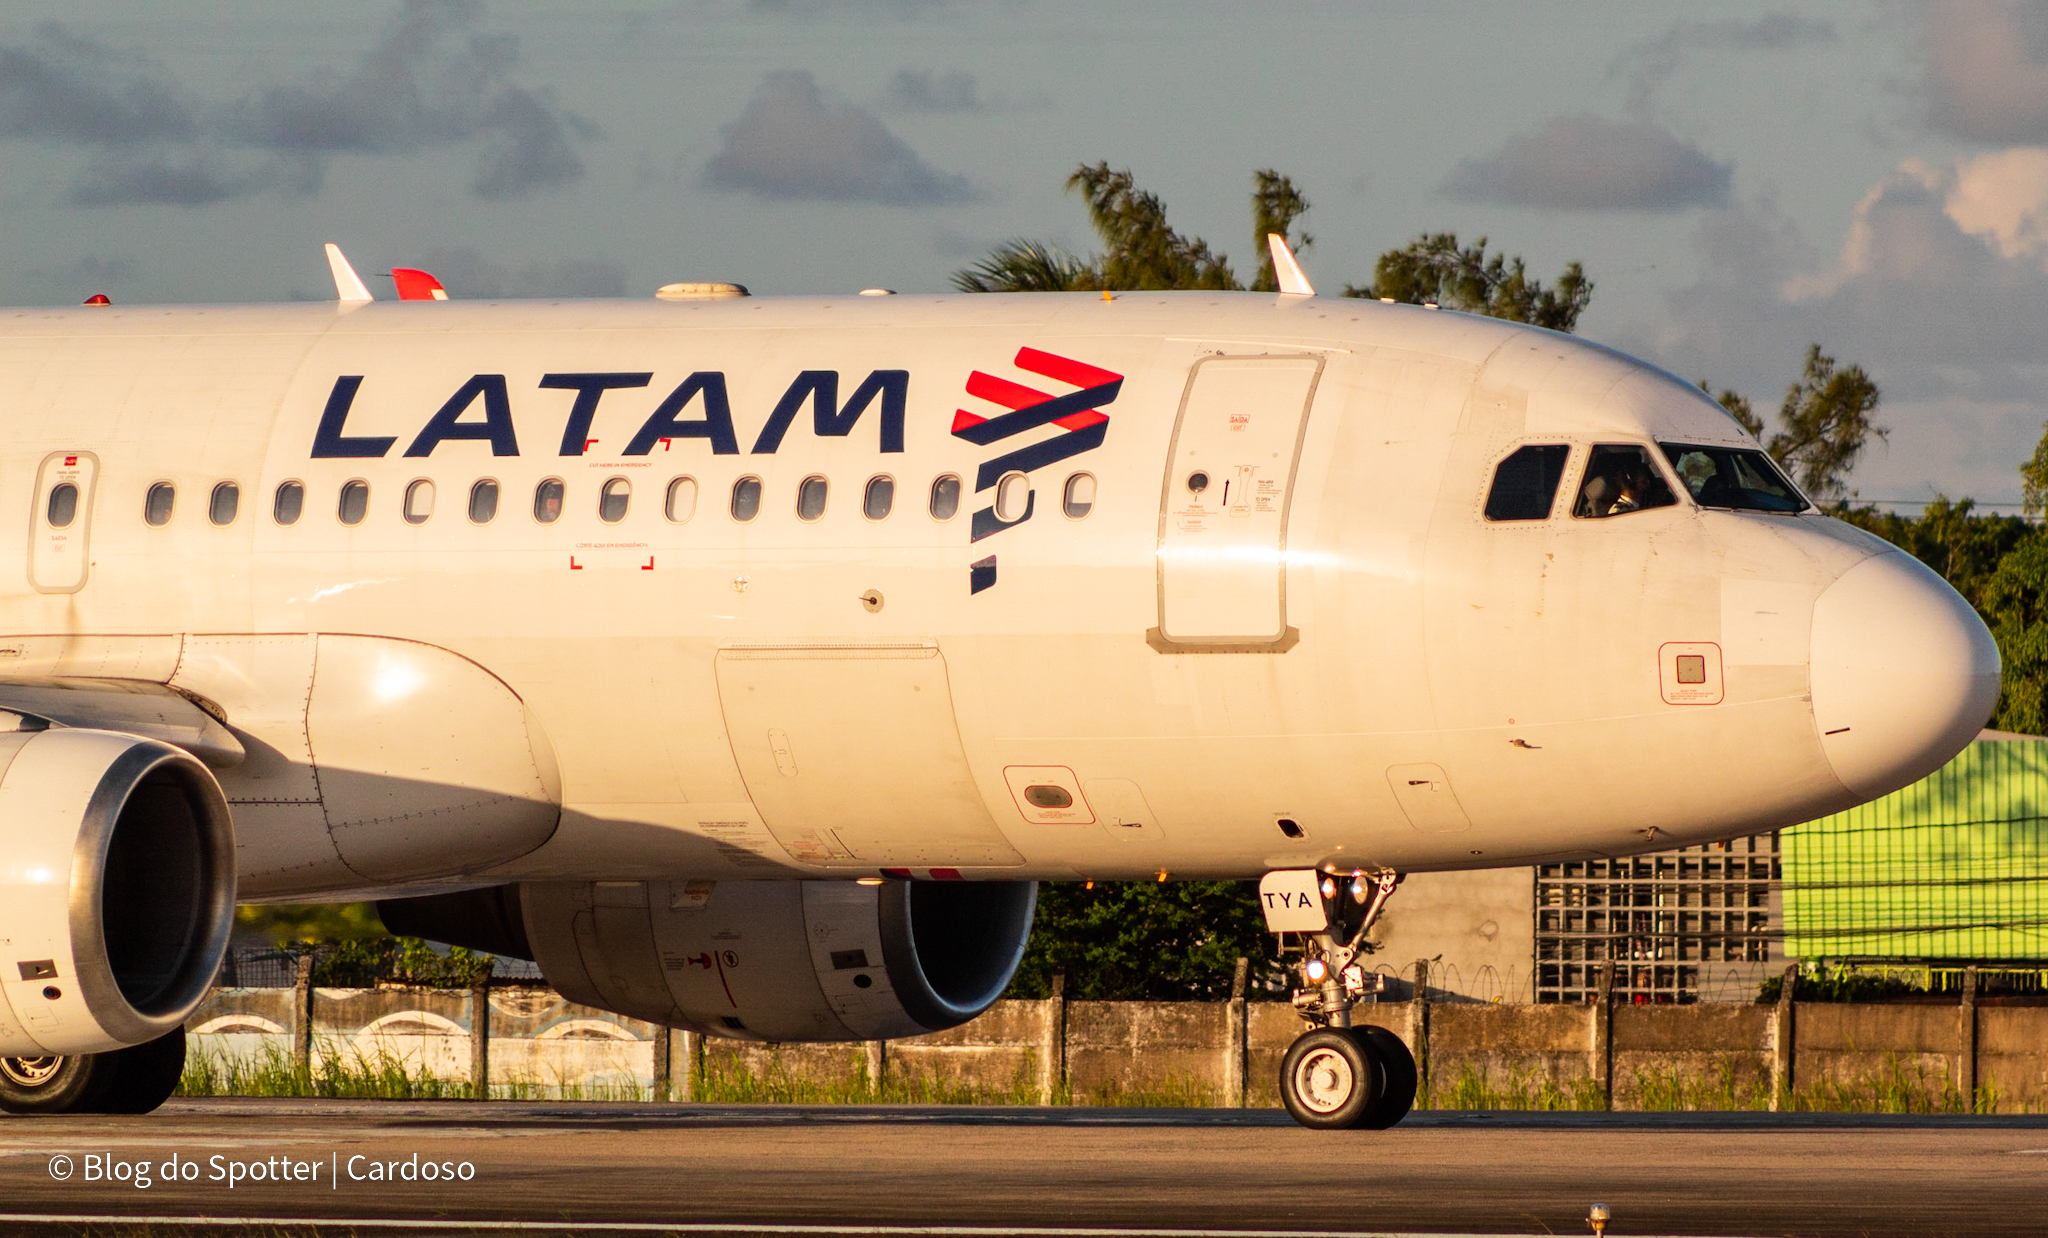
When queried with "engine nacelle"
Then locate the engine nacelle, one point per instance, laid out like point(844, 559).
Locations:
point(117, 889)
point(783, 960)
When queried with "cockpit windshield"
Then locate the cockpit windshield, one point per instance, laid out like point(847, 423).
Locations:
point(1734, 478)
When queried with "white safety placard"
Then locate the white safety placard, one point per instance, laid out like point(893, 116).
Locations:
point(1292, 902)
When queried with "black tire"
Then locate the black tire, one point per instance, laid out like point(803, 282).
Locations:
point(143, 1076)
point(1399, 1097)
point(52, 1085)
point(1328, 1080)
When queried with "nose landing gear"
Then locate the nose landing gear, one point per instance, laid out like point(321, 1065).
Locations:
point(1337, 1076)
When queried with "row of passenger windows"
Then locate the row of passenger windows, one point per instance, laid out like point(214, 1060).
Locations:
point(614, 499)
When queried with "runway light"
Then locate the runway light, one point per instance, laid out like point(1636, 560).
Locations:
point(1598, 1218)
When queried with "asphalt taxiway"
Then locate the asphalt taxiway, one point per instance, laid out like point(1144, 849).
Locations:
point(745, 1168)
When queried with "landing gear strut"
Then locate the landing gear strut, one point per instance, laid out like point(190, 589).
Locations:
point(1337, 1076)
point(132, 1080)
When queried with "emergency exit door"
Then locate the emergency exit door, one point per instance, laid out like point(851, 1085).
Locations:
point(1223, 513)
point(59, 552)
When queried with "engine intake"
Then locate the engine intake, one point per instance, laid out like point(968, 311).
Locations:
point(117, 890)
point(755, 960)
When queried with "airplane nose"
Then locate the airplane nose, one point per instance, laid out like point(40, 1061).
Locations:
point(1904, 674)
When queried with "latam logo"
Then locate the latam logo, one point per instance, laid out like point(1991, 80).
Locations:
point(1076, 415)
point(704, 390)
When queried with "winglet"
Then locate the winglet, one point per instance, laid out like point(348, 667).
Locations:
point(417, 285)
point(348, 286)
point(1286, 269)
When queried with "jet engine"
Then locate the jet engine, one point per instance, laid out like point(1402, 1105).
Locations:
point(754, 960)
point(117, 890)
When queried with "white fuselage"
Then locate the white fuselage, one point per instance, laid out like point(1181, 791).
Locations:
point(1343, 643)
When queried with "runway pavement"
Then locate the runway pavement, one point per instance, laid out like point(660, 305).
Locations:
point(742, 1168)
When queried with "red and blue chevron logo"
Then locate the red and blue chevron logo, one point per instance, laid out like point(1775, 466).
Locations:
point(1076, 416)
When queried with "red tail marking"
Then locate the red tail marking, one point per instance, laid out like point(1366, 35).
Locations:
point(1065, 369)
point(1004, 392)
point(1081, 420)
point(963, 419)
point(416, 285)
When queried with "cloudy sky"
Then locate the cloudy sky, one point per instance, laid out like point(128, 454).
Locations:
point(1871, 177)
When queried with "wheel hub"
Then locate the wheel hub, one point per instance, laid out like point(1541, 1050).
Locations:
point(30, 1072)
point(1324, 1080)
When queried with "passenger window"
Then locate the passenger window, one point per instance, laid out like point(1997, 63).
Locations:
point(810, 498)
point(419, 501)
point(355, 502)
point(613, 499)
point(226, 503)
point(63, 507)
point(158, 504)
point(1079, 497)
point(547, 501)
point(945, 498)
point(1525, 484)
point(1744, 480)
point(289, 502)
point(1619, 480)
point(746, 499)
point(879, 498)
point(1013, 498)
point(483, 501)
point(682, 499)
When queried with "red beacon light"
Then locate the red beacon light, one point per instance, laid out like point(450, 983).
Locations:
point(97, 298)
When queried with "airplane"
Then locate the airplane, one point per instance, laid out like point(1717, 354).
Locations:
point(746, 661)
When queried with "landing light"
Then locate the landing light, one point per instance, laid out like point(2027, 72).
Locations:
point(1315, 970)
point(867, 881)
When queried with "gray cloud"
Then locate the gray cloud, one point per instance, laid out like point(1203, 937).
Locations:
point(432, 80)
point(528, 149)
point(58, 87)
point(179, 178)
point(1651, 63)
point(1591, 163)
point(789, 143)
point(1986, 70)
point(921, 90)
point(466, 273)
point(853, 10)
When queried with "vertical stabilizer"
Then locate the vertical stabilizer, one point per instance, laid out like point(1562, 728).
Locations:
point(348, 286)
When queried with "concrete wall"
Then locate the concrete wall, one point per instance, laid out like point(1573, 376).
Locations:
point(1478, 929)
point(1473, 1055)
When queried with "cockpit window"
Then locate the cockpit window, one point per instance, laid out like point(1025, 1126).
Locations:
point(1745, 480)
point(1525, 484)
point(1621, 479)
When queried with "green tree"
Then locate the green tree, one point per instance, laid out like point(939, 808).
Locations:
point(1140, 250)
point(1824, 425)
point(1276, 204)
point(2016, 606)
point(1028, 266)
point(1433, 270)
point(1154, 941)
point(2034, 477)
point(283, 924)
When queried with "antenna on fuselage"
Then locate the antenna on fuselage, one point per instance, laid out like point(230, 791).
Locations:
point(348, 286)
point(1286, 270)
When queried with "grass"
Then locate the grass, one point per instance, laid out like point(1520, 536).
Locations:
point(1899, 1087)
point(1520, 1089)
